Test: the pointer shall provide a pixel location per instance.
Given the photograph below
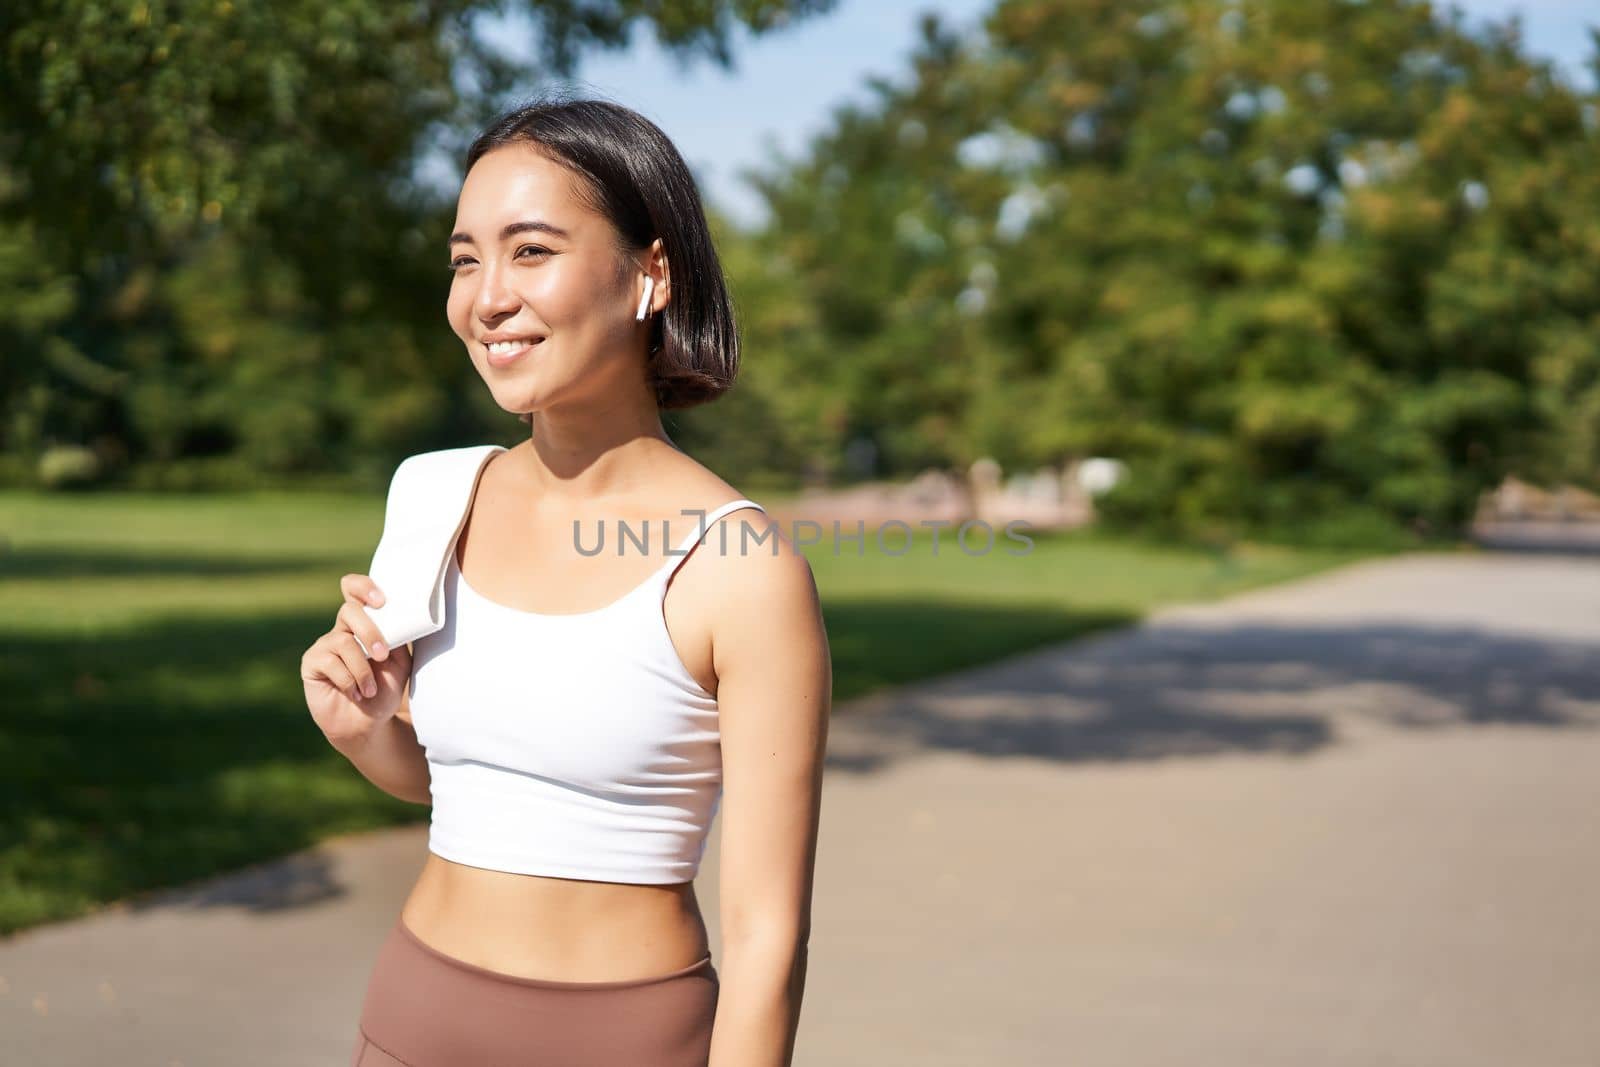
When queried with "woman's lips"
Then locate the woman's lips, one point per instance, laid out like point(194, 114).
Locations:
point(505, 359)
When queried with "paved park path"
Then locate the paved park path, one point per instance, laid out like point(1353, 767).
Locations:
point(1351, 820)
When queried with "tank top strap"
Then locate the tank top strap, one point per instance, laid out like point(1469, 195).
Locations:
point(701, 529)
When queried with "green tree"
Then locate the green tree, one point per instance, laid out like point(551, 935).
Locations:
point(214, 239)
point(1307, 266)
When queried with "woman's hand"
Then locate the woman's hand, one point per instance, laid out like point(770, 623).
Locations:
point(350, 696)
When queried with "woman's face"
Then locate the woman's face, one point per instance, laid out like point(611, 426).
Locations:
point(533, 265)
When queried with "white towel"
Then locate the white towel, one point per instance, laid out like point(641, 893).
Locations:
point(426, 510)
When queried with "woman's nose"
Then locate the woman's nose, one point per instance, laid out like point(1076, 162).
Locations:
point(494, 296)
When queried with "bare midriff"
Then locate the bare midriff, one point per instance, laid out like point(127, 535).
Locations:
point(559, 929)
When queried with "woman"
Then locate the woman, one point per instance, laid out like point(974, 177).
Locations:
point(582, 715)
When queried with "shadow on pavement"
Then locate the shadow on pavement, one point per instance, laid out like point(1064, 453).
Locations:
point(1168, 690)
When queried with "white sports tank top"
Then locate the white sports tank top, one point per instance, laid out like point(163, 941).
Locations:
point(572, 745)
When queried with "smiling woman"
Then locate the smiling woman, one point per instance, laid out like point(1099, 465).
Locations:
point(577, 721)
point(598, 222)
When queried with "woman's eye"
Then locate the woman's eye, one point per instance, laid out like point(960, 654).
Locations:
point(462, 261)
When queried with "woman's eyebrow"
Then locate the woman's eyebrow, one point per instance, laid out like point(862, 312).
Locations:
point(514, 228)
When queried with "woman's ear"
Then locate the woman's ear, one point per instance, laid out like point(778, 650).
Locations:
point(658, 267)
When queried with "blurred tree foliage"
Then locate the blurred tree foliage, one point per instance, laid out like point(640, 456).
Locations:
point(1313, 267)
point(1317, 267)
point(217, 255)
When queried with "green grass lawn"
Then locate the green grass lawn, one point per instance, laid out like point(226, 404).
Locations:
point(153, 730)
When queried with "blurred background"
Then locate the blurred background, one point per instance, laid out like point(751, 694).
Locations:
point(1218, 295)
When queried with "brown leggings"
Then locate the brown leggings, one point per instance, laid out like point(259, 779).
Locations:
point(426, 1009)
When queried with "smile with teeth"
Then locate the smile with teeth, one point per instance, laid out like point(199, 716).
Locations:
point(505, 348)
point(505, 353)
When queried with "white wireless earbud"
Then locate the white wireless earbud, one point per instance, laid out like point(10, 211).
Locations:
point(644, 302)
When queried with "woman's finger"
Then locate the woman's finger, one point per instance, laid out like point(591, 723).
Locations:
point(361, 589)
point(329, 665)
point(354, 619)
point(358, 666)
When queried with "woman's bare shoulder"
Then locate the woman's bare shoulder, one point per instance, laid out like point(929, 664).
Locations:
point(691, 484)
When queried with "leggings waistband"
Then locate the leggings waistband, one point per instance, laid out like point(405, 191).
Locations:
point(703, 964)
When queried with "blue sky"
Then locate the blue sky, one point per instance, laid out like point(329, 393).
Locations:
point(785, 85)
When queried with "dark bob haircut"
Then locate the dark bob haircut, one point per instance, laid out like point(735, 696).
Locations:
point(629, 172)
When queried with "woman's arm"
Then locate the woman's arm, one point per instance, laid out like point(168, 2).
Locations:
point(361, 704)
point(774, 695)
point(391, 758)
